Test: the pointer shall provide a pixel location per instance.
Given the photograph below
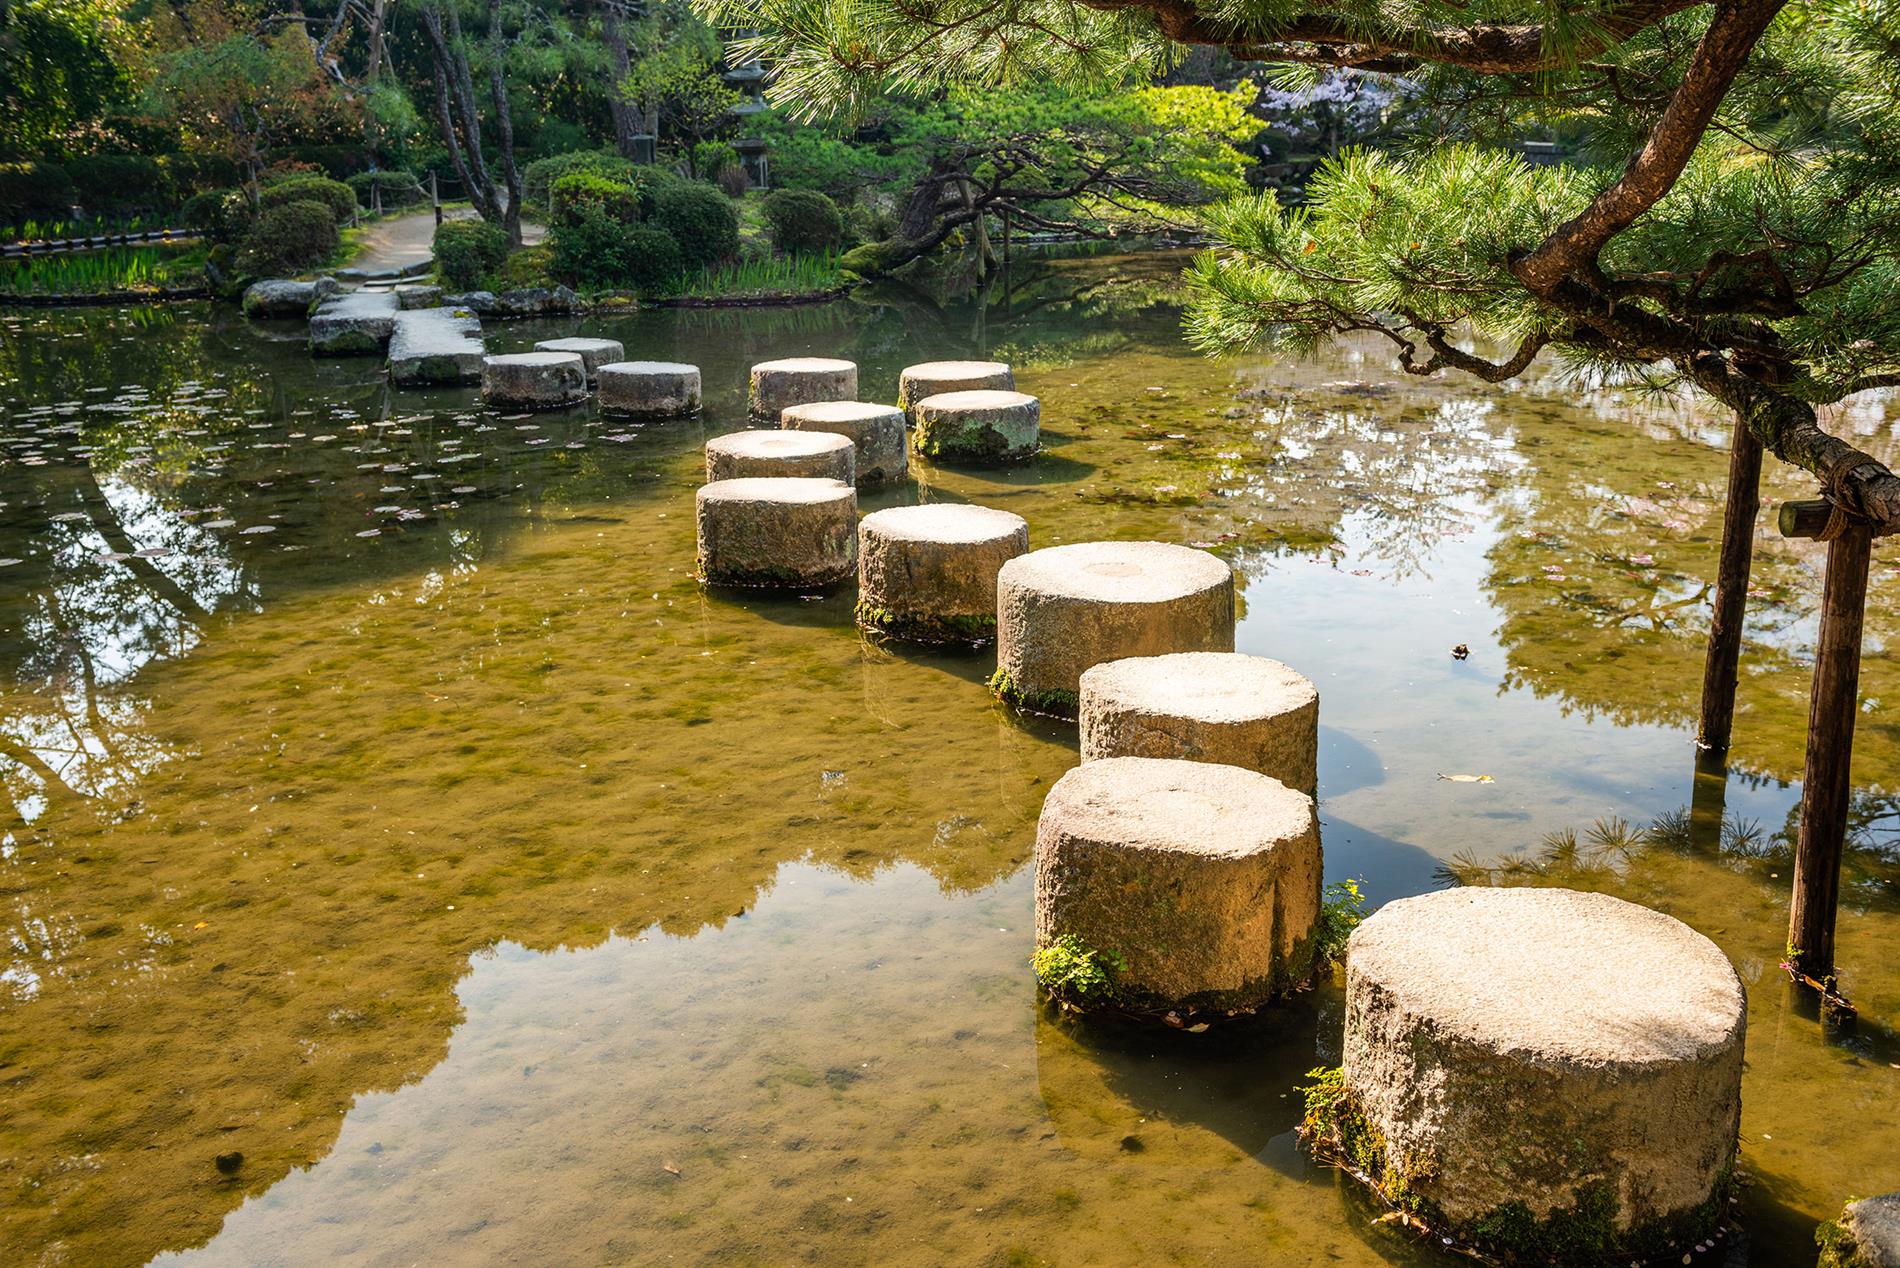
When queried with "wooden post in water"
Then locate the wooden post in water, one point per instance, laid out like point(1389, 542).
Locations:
point(1834, 701)
point(1721, 667)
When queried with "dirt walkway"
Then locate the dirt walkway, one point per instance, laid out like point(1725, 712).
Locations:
point(401, 241)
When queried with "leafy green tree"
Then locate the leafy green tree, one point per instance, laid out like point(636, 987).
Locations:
point(62, 64)
point(681, 88)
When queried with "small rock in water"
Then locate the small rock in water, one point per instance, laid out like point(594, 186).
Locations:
point(229, 1163)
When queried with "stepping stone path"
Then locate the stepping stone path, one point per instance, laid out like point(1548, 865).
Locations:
point(799, 381)
point(593, 353)
point(777, 532)
point(934, 378)
point(982, 427)
point(534, 380)
point(356, 324)
point(740, 454)
point(1205, 879)
point(877, 430)
point(417, 297)
point(649, 389)
point(1508, 1050)
point(928, 573)
point(284, 297)
point(1064, 609)
point(430, 346)
point(1866, 1236)
point(1223, 707)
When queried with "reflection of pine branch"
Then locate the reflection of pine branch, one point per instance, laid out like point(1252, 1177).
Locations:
point(56, 788)
point(105, 522)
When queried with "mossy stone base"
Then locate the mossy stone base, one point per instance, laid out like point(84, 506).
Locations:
point(1054, 704)
point(963, 631)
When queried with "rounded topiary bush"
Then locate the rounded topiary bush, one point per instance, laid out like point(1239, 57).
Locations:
point(30, 191)
point(538, 178)
point(580, 195)
point(290, 237)
point(467, 251)
point(601, 253)
point(338, 197)
point(701, 220)
point(222, 215)
point(803, 221)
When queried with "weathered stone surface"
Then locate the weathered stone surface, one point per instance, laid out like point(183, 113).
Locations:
point(1866, 1236)
point(1221, 707)
point(1064, 609)
point(877, 430)
point(409, 297)
point(742, 454)
point(431, 346)
point(1547, 1050)
point(928, 573)
point(1205, 878)
point(534, 380)
point(536, 301)
point(285, 297)
point(799, 381)
point(933, 378)
point(649, 389)
point(782, 533)
point(593, 353)
point(979, 427)
point(356, 324)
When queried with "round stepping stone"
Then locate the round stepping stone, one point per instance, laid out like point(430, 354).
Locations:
point(1514, 1057)
point(649, 389)
point(928, 573)
point(799, 381)
point(1223, 707)
point(593, 353)
point(534, 380)
point(1866, 1236)
point(1064, 609)
point(782, 532)
point(934, 378)
point(877, 430)
point(741, 454)
point(1204, 880)
point(984, 426)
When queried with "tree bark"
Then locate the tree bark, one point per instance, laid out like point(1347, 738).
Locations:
point(504, 126)
point(629, 120)
point(1719, 670)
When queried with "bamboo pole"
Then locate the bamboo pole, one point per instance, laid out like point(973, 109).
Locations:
point(1721, 666)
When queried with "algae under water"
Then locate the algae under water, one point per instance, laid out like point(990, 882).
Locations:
point(390, 815)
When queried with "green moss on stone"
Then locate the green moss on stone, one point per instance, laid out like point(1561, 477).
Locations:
point(912, 628)
point(1584, 1233)
point(1839, 1248)
point(1057, 704)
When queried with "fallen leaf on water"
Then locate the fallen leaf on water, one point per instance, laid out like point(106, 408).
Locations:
point(201, 924)
point(671, 1168)
point(1468, 779)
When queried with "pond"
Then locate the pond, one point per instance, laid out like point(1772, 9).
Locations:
point(406, 861)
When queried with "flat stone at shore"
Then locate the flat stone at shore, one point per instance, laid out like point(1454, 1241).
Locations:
point(419, 297)
point(534, 380)
point(435, 346)
point(1516, 1047)
point(353, 325)
point(286, 297)
point(593, 353)
point(649, 389)
point(741, 454)
point(533, 301)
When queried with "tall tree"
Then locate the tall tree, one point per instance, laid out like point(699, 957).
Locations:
point(495, 191)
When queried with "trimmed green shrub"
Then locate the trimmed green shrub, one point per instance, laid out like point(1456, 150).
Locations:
point(601, 253)
point(114, 183)
point(399, 189)
point(803, 221)
point(338, 197)
point(290, 237)
point(222, 215)
point(701, 220)
point(537, 179)
point(33, 191)
point(467, 251)
point(525, 269)
point(580, 196)
point(713, 157)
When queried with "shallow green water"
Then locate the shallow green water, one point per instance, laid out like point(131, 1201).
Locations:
point(387, 804)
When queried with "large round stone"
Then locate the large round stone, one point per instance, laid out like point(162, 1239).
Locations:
point(978, 427)
point(593, 353)
point(1064, 609)
point(933, 378)
point(1205, 707)
point(877, 430)
point(649, 389)
point(777, 385)
point(1205, 879)
point(778, 531)
point(928, 573)
point(740, 454)
point(1866, 1236)
point(534, 380)
point(1519, 1058)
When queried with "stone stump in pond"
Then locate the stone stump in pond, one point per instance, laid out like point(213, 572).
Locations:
point(979, 428)
point(778, 385)
point(1550, 1075)
point(928, 573)
point(1866, 1236)
point(287, 297)
point(593, 353)
point(649, 389)
point(1221, 707)
point(534, 380)
point(354, 324)
point(877, 430)
point(933, 378)
point(1065, 609)
point(741, 454)
point(1191, 886)
point(778, 532)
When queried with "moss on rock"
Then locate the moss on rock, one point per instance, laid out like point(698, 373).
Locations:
point(1056, 704)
